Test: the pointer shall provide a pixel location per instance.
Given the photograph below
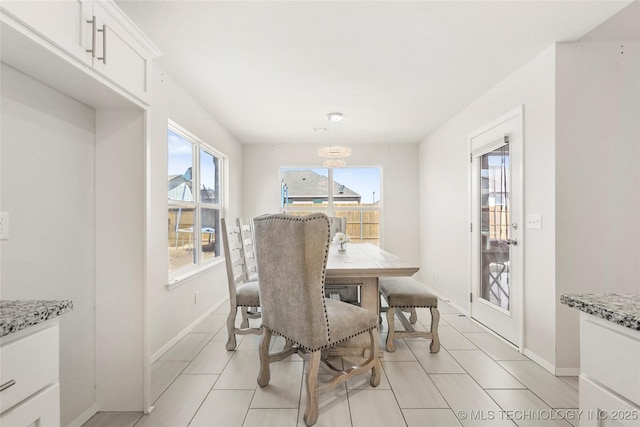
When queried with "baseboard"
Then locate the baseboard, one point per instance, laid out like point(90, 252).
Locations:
point(155, 356)
point(567, 372)
point(85, 416)
point(462, 310)
point(540, 361)
point(560, 372)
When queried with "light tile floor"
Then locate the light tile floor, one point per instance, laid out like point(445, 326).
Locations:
point(475, 380)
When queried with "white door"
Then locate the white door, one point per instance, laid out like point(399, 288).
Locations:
point(496, 219)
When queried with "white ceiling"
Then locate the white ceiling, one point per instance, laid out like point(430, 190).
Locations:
point(270, 71)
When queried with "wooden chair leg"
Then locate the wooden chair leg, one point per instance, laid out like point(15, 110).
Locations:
point(231, 329)
point(390, 324)
point(263, 350)
point(311, 412)
point(375, 371)
point(435, 320)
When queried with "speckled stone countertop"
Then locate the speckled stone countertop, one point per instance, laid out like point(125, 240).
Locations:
point(20, 314)
point(623, 309)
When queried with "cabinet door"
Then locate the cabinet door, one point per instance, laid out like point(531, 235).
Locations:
point(62, 23)
point(31, 363)
point(601, 408)
point(41, 410)
point(119, 56)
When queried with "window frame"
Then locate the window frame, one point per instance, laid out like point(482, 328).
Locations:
point(329, 209)
point(197, 204)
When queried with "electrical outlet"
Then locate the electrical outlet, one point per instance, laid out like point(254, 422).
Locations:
point(196, 297)
point(4, 225)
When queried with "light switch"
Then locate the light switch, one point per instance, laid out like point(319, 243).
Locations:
point(534, 221)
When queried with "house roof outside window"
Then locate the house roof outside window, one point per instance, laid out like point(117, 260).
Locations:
point(308, 186)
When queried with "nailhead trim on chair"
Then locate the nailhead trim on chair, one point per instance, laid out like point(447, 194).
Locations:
point(411, 306)
point(324, 346)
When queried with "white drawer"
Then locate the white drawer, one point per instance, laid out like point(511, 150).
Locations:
point(610, 354)
point(41, 410)
point(601, 408)
point(32, 362)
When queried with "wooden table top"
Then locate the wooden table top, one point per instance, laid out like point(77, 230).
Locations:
point(366, 260)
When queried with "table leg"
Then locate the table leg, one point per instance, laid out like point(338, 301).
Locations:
point(359, 346)
point(369, 294)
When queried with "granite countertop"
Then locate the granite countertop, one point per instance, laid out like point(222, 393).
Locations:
point(623, 309)
point(20, 314)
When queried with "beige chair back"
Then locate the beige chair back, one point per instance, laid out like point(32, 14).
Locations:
point(292, 257)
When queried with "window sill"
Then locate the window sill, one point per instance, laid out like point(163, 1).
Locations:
point(178, 281)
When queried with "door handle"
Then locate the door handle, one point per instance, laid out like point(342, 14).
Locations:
point(8, 384)
point(513, 242)
point(93, 36)
point(103, 58)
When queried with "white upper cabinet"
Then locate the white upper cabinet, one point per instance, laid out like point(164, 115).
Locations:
point(97, 34)
point(120, 54)
point(62, 23)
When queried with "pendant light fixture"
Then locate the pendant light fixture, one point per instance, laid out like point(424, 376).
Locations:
point(333, 153)
point(334, 163)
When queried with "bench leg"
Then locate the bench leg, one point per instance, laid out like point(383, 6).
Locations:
point(414, 316)
point(435, 341)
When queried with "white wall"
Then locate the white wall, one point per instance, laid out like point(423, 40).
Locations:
point(261, 193)
point(444, 202)
point(581, 172)
point(598, 171)
point(119, 278)
point(60, 225)
point(171, 312)
point(48, 182)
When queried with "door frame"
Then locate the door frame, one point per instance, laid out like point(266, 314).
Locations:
point(517, 203)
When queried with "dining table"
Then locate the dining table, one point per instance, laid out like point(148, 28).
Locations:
point(361, 265)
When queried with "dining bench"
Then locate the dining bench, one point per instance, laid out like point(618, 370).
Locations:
point(407, 294)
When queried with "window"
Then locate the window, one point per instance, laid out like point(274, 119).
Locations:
point(193, 215)
point(353, 193)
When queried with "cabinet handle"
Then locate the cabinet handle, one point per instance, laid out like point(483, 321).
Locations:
point(103, 58)
point(93, 36)
point(6, 385)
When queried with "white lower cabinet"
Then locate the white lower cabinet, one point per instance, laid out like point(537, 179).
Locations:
point(602, 408)
point(29, 367)
point(41, 410)
point(610, 374)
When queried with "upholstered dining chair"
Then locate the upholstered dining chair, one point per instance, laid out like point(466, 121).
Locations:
point(292, 257)
point(243, 293)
